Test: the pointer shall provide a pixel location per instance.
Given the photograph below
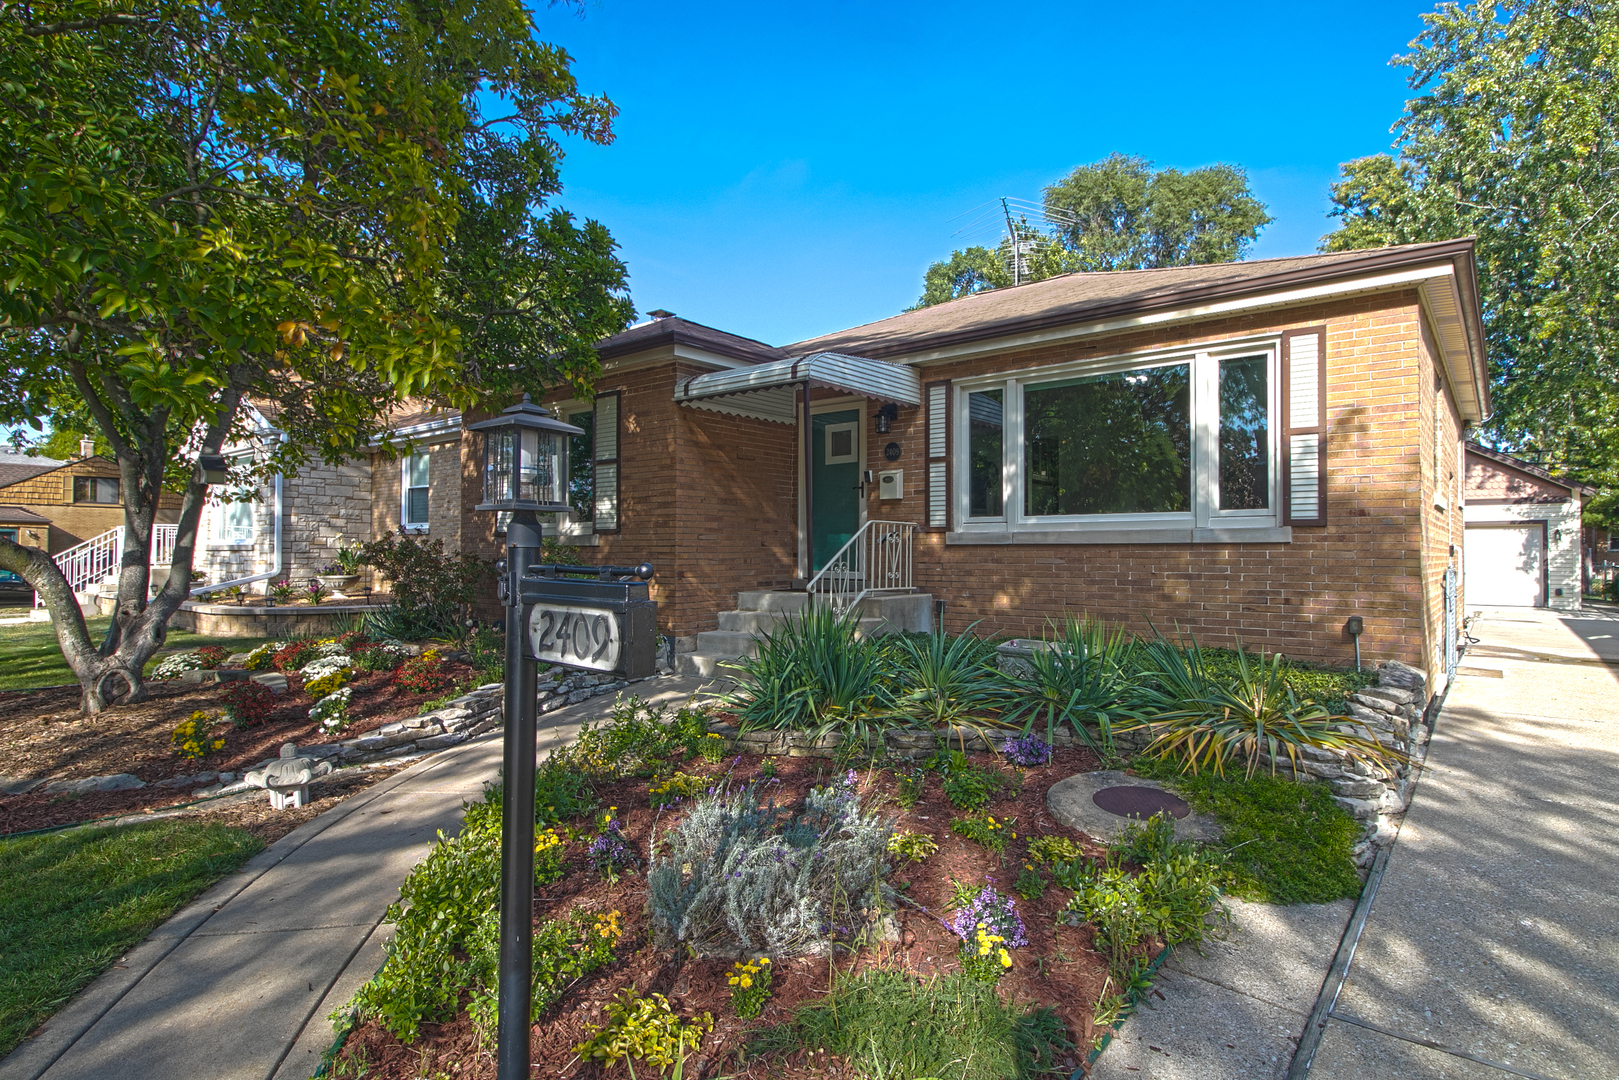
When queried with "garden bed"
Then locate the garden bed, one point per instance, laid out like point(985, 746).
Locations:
point(43, 737)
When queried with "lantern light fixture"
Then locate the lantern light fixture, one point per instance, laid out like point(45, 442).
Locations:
point(522, 460)
point(213, 468)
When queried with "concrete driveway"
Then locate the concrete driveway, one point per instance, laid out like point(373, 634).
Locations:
point(1491, 947)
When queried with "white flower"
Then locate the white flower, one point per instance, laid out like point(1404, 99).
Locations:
point(174, 666)
point(325, 665)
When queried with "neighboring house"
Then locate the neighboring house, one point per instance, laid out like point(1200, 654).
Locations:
point(1247, 452)
point(1522, 545)
point(57, 505)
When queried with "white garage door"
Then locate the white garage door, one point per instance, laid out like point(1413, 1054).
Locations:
point(1505, 565)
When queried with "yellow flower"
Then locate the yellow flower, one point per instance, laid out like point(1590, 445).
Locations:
point(747, 981)
point(1006, 959)
point(764, 960)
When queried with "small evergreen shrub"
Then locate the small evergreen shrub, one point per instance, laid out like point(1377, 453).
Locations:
point(247, 703)
point(738, 876)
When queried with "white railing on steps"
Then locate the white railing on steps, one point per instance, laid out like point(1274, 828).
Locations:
point(98, 558)
point(877, 559)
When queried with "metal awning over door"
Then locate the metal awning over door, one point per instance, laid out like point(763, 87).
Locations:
point(768, 391)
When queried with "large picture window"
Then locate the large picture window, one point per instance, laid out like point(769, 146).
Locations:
point(582, 466)
point(1109, 444)
point(1173, 441)
point(233, 522)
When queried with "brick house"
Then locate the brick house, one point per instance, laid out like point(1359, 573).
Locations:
point(1252, 451)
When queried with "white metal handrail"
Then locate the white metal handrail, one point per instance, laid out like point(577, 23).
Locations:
point(93, 561)
point(877, 559)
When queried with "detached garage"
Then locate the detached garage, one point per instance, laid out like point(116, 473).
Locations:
point(1522, 538)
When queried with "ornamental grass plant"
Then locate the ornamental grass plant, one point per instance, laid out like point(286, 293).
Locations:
point(1082, 678)
point(1204, 721)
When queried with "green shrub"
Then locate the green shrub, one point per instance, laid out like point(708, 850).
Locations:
point(676, 789)
point(1170, 898)
point(984, 829)
point(637, 740)
point(736, 876)
point(644, 1029)
point(1050, 849)
point(914, 846)
point(565, 950)
point(431, 587)
point(379, 656)
point(970, 788)
point(441, 904)
point(889, 1026)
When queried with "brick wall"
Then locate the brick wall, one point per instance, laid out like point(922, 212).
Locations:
point(1368, 560)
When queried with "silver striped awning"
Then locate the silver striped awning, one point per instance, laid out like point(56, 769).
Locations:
point(768, 391)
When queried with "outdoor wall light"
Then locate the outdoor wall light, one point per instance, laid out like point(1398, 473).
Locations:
point(885, 417)
point(213, 468)
point(522, 459)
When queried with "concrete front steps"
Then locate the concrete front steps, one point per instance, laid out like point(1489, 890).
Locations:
point(759, 612)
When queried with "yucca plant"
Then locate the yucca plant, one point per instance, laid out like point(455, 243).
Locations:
point(1080, 680)
point(815, 673)
point(1207, 722)
point(950, 681)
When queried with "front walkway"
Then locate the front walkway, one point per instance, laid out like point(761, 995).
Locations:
point(1490, 950)
point(238, 985)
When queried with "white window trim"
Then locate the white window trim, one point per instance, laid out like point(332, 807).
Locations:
point(568, 529)
point(216, 519)
point(405, 487)
point(1203, 523)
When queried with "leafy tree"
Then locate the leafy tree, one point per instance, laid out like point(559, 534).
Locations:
point(1516, 141)
point(1117, 214)
point(966, 272)
point(332, 207)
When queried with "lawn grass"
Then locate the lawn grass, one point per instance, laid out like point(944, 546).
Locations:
point(32, 657)
point(893, 1027)
point(1288, 843)
point(73, 902)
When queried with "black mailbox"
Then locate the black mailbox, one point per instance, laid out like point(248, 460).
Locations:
point(600, 618)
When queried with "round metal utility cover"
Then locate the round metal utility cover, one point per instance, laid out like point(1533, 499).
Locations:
point(1140, 802)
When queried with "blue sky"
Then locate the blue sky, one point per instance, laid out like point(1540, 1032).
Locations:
point(782, 171)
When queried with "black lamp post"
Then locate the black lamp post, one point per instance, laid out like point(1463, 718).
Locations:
point(522, 475)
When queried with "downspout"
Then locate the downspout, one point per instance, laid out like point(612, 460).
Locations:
point(275, 556)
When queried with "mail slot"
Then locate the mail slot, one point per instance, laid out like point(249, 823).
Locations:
point(605, 621)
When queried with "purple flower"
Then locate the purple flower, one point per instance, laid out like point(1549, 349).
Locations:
point(1026, 750)
point(998, 913)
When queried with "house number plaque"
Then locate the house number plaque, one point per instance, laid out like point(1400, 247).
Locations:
point(581, 637)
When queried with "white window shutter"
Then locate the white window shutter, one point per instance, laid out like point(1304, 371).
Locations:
point(938, 485)
point(606, 462)
point(1304, 426)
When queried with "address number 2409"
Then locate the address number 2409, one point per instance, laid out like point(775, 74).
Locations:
point(575, 636)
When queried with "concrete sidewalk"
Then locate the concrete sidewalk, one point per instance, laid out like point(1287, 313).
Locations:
point(1490, 949)
point(238, 985)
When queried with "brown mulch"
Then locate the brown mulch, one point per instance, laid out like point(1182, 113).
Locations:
point(42, 734)
point(1057, 968)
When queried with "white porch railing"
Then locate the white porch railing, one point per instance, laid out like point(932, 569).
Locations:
point(92, 562)
point(877, 559)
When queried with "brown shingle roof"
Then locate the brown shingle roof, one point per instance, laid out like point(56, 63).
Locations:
point(677, 331)
point(1074, 298)
point(16, 515)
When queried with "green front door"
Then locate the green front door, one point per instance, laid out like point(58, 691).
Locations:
point(835, 472)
